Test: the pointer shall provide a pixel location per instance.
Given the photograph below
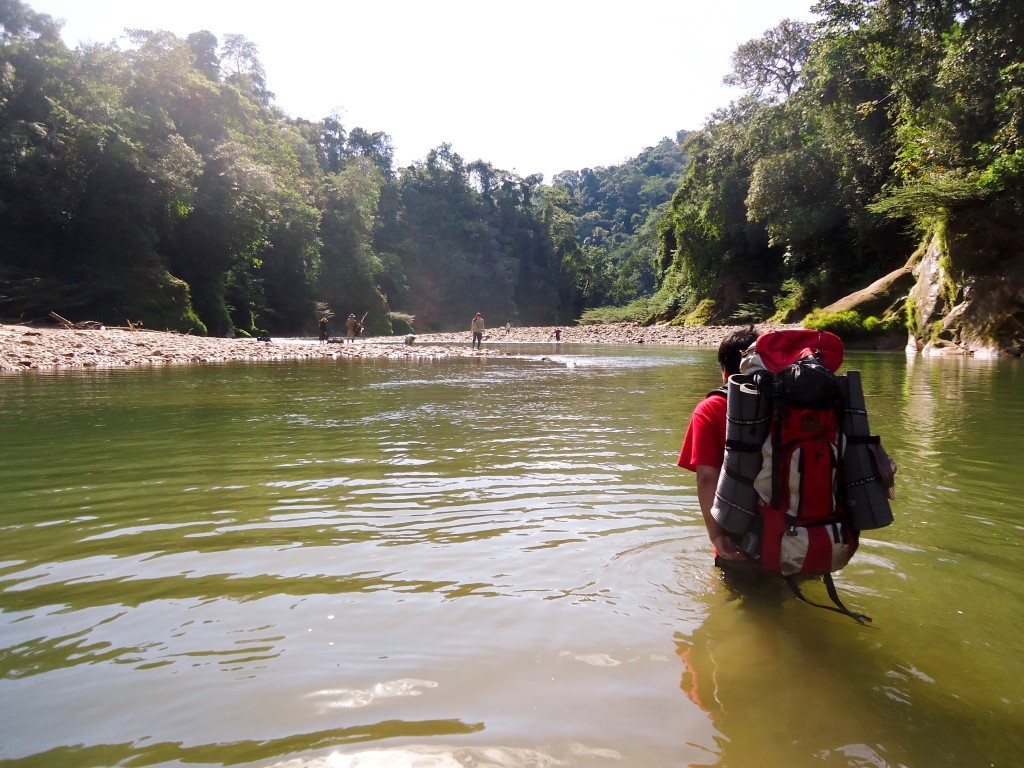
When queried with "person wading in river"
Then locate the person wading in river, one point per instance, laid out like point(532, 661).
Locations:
point(703, 448)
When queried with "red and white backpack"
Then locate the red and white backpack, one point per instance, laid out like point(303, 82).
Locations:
point(784, 489)
point(805, 528)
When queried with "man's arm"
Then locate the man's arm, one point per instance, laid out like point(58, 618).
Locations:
point(707, 484)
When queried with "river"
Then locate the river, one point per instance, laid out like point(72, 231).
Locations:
point(485, 562)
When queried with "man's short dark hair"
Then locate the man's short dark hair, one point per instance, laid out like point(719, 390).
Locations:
point(733, 346)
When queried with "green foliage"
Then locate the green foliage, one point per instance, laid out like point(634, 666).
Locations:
point(402, 324)
point(757, 308)
point(700, 315)
point(875, 326)
point(159, 181)
point(849, 325)
point(931, 199)
point(348, 267)
point(1005, 175)
point(894, 118)
point(616, 213)
point(638, 311)
point(789, 301)
point(470, 240)
point(771, 65)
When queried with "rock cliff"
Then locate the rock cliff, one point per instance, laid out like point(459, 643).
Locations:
point(961, 298)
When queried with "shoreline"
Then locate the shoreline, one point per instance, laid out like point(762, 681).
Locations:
point(30, 348)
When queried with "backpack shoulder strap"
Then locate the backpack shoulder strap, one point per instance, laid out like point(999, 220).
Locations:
point(722, 390)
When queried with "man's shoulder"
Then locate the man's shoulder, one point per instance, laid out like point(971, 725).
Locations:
point(713, 404)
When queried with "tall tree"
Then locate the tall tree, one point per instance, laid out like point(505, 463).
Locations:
point(770, 66)
point(348, 270)
point(240, 61)
point(203, 45)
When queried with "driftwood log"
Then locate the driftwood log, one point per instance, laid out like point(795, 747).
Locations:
point(85, 325)
point(94, 325)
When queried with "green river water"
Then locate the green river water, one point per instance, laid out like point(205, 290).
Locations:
point(485, 562)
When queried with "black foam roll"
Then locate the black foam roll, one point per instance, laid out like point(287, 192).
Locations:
point(748, 411)
point(745, 463)
point(735, 503)
point(867, 500)
point(868, 504)
point(855, 414)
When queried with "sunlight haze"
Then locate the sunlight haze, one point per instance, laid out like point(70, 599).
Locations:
point(529, 87)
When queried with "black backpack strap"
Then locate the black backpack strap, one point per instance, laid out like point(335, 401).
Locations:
point(830, 586)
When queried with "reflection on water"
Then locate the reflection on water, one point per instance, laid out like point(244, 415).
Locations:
point(484, 562)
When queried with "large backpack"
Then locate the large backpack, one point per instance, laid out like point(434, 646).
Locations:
point(801, 475)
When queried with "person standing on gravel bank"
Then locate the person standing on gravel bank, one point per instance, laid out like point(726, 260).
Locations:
point(324, 333)
point(350, 328)
point(477, 329)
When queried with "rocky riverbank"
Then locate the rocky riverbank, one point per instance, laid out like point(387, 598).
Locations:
point(613, 333)
point(25, 348)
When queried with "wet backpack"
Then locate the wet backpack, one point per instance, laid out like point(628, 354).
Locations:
point(787, 482)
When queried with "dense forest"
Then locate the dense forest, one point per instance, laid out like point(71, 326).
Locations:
point(160, 184)
point(887, 139)
point(878, 148)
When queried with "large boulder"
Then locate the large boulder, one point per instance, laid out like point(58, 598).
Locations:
point(960, 307)
point(989, 320)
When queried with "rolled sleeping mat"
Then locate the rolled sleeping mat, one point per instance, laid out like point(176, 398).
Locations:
point(747, 425)
point(743, 463)
point(855, 412)
point(867, 499)
point(735, 506)
point(747, 420)
point(748, 412)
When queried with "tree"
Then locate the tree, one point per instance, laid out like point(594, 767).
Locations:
point(374, 146)
point(710, 249)
point(770, 66)
point(616, 210)
point(20, 24)
point(240, 60)
point(203, 45)
point(156, 183)
point(331, 142)
point(347, 274)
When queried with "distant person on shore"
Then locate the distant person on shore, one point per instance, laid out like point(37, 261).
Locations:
point(477, 329)
point(508, 328)
point(324, 332)
point(350, 328)
point(558, 334)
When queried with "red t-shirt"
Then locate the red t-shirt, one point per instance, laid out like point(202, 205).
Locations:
point(705, 437)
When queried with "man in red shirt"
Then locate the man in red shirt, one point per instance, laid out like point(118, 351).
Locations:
point(703, 448)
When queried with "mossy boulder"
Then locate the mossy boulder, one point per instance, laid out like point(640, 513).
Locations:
point(962, 303)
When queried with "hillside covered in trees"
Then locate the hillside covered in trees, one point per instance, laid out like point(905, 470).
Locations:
point(160, 184)
point(881, 148)
point(869, 179)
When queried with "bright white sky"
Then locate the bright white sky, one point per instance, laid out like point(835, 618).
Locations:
point(530, 86)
